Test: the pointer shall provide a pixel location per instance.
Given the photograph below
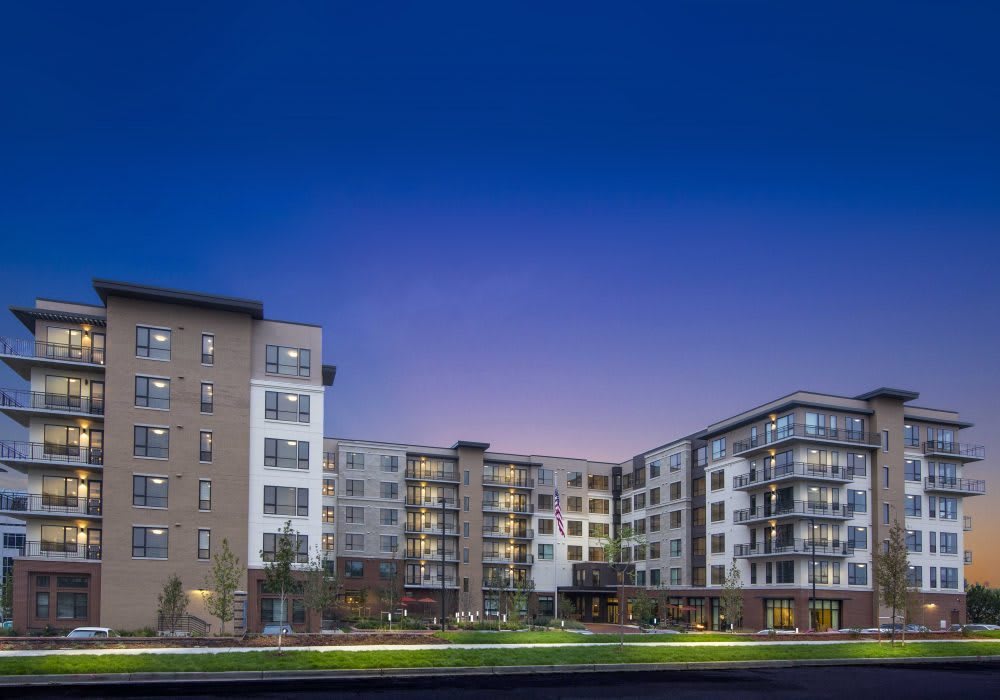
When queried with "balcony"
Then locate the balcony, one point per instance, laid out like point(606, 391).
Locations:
point(22, 355)
point(507, 584)
point(431, 502)
point(417, 529)
point(62, 550)
point(46, 505)
point(796, 470)
point(432, 554)
point(955, 487)
point(509, 559)
point(825, 548)
point(19, 455)
point(509, 532)
point(21, 405)
point(811, 433)
point(954, 450)
point(510, 480)
point(430, 474)
point(967, 523)
point(794, 509)
point(507, 507)
point(430, 581)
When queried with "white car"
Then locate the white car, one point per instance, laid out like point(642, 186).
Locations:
point(91, 633)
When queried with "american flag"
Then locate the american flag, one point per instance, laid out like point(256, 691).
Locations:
point(559, 518)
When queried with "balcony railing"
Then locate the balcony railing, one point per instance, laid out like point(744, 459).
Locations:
point(515, 480)
point(806, 470)
point(430, 581)
point(954, 449)
point(794, 508)
point(431, 474)
point(37, 349)
point(63, 403)
point(509, 558)
point(508, 507)
point(432, 553)
point(516, 532)
point(62, 550)
point(430, 529)
point(954, 485)
point(507, 583)
point(809, 432)
point(431, 501)
point(967, 523)
point(17, 451)
point(44, 503)
point(795, 546)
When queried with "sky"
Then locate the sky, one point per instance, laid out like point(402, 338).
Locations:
point(578, 229)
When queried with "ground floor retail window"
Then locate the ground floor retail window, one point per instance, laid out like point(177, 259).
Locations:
point(271, 611)
point(779, 613)
point(826, 614)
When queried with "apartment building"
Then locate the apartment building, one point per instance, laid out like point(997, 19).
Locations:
point(141, 453)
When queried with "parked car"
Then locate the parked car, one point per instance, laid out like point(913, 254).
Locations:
point(889, 628)
point(976, 627)
point(776, 631)
point(917, 628)
point(91, 633)
point(275, 630)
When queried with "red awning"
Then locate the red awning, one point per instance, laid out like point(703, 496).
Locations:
point(407, 599)
point(426, 600)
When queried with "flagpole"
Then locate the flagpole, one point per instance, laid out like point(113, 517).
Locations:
point(555, 554)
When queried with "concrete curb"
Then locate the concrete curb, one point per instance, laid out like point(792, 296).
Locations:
point(429, 672)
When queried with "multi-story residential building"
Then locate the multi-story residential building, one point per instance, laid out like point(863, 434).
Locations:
point(160, 422)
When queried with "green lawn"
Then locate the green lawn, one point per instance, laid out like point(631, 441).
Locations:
point(561, 637)
point(314, 660)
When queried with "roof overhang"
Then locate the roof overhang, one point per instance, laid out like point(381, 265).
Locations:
point(109, 288)
point(471, 445)
point(329, 374)
point(29, 314)
point(889, 392)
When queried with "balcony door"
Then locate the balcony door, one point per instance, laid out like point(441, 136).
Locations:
point(97, 343)
point(96, 455)
point(94, 536)
point(95, 490)
point(97, 397)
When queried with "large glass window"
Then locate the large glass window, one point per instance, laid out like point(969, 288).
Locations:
point(911, 435)
point(857, 537)
point(300, 543)
point(64, 392)
point(779, 613)
point(949, 577)
point(62, 440)
point(65, 343)
point(949, 543)
point(719, 448)
point(286, 454)
point(280, 405)
point(857, 501)
point(857, 574)
point(286, 500)
point(288, 361)
point(153, 343)
point(149, 542)
point(912, 506)
point(911, 470)
point(149, 491)
point(152, 392)
point(71, 606)
point(151, 442)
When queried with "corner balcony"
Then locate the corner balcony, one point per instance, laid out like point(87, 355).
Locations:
point(71, 551)
point(957, 451)
point(507, 507)
point(21, 455)
point(777, 437)
point(954, 487)
point(794, 509)
point(22, 355)
point(523, 533)
point(430, 474)
point(802, 471)
point(430, 582)
point(21, 405)
point(522, 559)
point(826, 548)
point(49, 506)
point(515, 481)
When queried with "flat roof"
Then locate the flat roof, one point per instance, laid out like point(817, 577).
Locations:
point(106, 288)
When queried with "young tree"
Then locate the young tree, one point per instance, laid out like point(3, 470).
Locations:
point(278, 573)
point(495, 583)
point(566, 607)
point(319, 586)
point(222, 583)
point(642, 607)
point(173, 602)
point(391, 592)
point(891, 566)
point(521, 595)
point(7, 596)
point(618, 555)
point(731, 601)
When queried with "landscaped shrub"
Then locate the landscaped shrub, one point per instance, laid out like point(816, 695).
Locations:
point(142, 632)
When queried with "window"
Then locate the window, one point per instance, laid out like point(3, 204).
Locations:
point(639, 500)
point(42, 605)
point(204, 494)
point(911, 435)
point(654, 550)
point(354, 543)
point(933, 577)
point(675, 548)
point(718, 448)
point(152, 392)
point(574, 528)
point(911, 470)
point(288, 361)
point(675, 462)
point(718, 511)
point(354, 569)
point(387, 570)
point(149, 491)
point(329, 487)
point(598, 530)
point(857, 537)
point(574, 480)
point(857, 574)
point(598, 506)
point(857, 501)
point(207, 349)
point(545, 526)
point(885, 513)
point(675, 576)
point(932, 540)
point(654, 468)
point(654, 523)
point(204, 544)
point(698, 576)
point(355, 460)
point(718, 574)
point(286, 454)
point(698, 486)
point(784, 572)
point(388, 543)
point(207, 397)
point(389, 463)
point(466, 529)
point(949, 543)
point(675, 491)
point(718, 480)
point(718, 544)
point(574, 504)
point(465, 504)
point(205, 446)
point(914, 541)
point(544, 501)
point(914, 576)
point(545, 552)
point(885, 440)
point(675, 519)
point(465, 477)
point(151, 442)
point(912, 506)
point(597, 482)
point(574, 552)
point(857, 463)
point(280, 405)
point(948, 508)
point(152, 343)
point(388, 516)
point(286, 500)
point(949, 577)
point(149, 542)
point(654, 496)
point(71, 606)
point(546, 477)
point(595, 554)
point(626, 505)
point(354, 515)
point(389, 489)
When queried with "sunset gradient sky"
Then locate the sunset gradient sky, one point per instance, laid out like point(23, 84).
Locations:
point(581, 229)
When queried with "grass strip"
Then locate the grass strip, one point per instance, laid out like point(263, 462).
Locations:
point(560, 637)
point(430, 658)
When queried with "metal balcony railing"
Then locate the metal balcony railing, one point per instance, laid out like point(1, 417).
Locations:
point(506, 583)
point(508, 507)
point(62, 550)
point(431, 474)
point(795, 546)
point(517, 532)
point(430, 581)
point(801, 430)
point(432, 553)
point(47, 503)
point(955, 449)
point(430, 529)
point(515, 480)
point(942, 483)
point(37, 400)
point(509, 558)
point(431, 501)
point(793, 508)
point(51, 351)
point(806, 470)
point(15, 450)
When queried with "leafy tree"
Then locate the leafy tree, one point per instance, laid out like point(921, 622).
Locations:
point(891, 566)
point(521, 595)
point(731, 601)
point(279, 574)
point(496, 584)
point(643, 606)
point(982, 604)
point(320, 586)
point(618, 555)
point(391, 592)
point(566, 607)
point(222, 583)
point(173, 602)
